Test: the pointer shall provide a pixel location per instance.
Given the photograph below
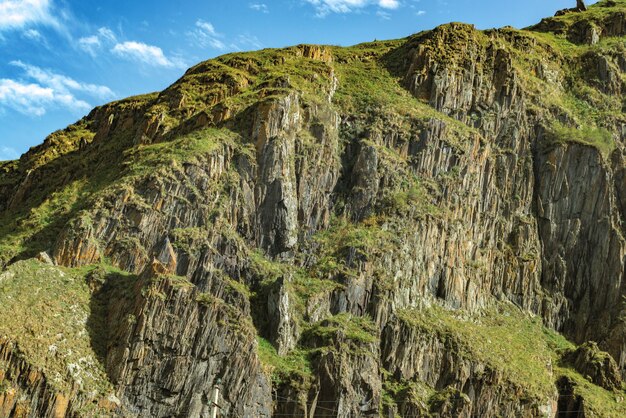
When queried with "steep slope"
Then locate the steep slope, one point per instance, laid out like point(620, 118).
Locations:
point(431, 226)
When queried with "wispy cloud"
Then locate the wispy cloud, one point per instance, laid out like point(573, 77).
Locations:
point(324, 7)
point(205, 35)
point(206, 27)
point(146, 54)
point(35, 99)
point(62, 83)
point(107, 34)
point(420, 12)
point(389, 4)
point(42, 90)
point(8, 153)
point(259, 7)
point(249, 41)
point(33, 35)
point(18, 14)
point(92, 44)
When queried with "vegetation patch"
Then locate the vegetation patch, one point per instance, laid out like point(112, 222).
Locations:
point(343, 332)
point(295, 367)
point(144, 159)
point(410, 198)
point(397, 392)
point(597, 401)
point(599, 138)
point(502, 337)
point(47, 311)
point(190, 240)
point(306, 286)
point(346, 240)
point(37, 229)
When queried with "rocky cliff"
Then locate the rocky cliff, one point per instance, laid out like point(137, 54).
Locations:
point(430, 226)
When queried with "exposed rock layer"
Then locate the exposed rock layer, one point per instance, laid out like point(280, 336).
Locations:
point(282, 211)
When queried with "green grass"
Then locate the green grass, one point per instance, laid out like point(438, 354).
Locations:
point(234, 82)
point(368, 87)
point(598, 402)
point(60, 143)
point(504, 338)
point(368, 238)
point(145, 159)
point(306, 286)
point(355, 328)
point(344, 332)
point(35, 225)
point(397, 392)
point(265, 269)
point(517, 345)
point(46, 310)
point(410, 198)
point(43, 222)
point(54, 199)
point(235, 287)
point(599, 138)
point(595, 13)
point(190, 240)
point(294, 367)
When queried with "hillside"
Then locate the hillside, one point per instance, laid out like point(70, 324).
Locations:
point(430, 226)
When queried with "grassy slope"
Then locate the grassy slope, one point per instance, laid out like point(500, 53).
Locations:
point(528, 354)
point(47, 311)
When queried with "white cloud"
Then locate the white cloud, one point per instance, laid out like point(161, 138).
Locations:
point(206, 27)
point(33, 35)
point(250, 41)
point(383, 15)
point(60, 82)
point(216, 44)
point(17, 14)
point(107, 34)
point(389, 4)
point(206, 36)
point(46, 90)
point(259, 7)
point(92, 44)
point(35, 99)
point(421, 12)
point(8, 153)
point(324, 7)
point(147, 54)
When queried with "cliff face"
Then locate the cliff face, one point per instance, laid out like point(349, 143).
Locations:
point(432, 226)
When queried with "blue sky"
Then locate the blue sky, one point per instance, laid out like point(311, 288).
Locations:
point(60, 58)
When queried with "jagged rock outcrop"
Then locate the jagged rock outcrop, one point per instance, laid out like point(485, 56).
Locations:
point(284, 329)
point(573, 187)
point(441, 361)
point(347, 380)
point(204, 338)
point(30, 394)
point(421, 227)
point(600, 367)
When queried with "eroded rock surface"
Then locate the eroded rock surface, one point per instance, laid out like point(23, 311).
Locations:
point(421, 227)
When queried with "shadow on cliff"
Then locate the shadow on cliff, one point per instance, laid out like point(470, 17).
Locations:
point(110, 310)
point(398, 60)
point(46, 208)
